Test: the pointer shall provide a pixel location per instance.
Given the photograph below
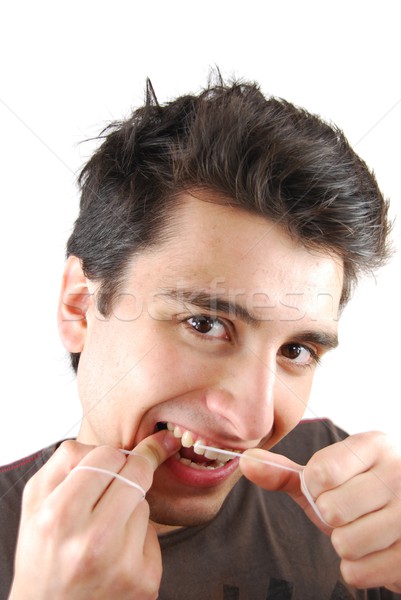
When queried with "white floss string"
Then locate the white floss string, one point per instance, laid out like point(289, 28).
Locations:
point(133, 453)
point(299, 470)
point(307, 494)
point(115, 475)
point(253, 458)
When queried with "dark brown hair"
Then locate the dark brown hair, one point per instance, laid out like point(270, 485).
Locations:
point(264, 155)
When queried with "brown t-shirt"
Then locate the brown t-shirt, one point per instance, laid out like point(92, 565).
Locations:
point(260, 546)
point(13, 478)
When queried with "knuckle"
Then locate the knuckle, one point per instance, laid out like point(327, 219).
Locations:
point(324, 472)
point(152, 577)
point(87, 552)
point(91, 553)
point(50, 522)
point(382, 441)
point(146, 587)
point(339, 544)
point(380, 438)
point(107, 455)
point(332, 512)
point(352, 573)
point(343, 545)
point(29, 492)
point(68, 447)
point(69, 451)
point(56, 516)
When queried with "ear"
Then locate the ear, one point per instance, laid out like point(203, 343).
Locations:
point(74, 302)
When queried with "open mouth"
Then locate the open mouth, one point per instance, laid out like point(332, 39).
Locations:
point(192, 456)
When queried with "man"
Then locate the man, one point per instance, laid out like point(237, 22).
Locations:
point(218, 239)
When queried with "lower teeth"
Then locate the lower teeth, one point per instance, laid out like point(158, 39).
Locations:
point(216, 464)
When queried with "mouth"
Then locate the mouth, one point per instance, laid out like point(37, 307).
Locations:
point(192, 456)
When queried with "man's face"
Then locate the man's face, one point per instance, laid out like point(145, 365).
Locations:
point(216, 333)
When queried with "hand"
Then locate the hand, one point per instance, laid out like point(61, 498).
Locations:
point(85, 534)
point(356, 485)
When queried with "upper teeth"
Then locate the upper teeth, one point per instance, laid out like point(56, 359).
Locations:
point(188, 439)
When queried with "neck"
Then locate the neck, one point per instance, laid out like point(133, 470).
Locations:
point(162, 529)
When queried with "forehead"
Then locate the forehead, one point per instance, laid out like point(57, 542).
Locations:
point(212, 245)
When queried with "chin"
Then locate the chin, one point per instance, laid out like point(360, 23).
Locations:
point(171, 519)
point(184, 511)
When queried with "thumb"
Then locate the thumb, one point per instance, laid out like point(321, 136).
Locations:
point(271, 471)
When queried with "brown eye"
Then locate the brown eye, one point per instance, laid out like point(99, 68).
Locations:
point(209, 327)
point(292, 351)
point(299, 354)
point(202, 324)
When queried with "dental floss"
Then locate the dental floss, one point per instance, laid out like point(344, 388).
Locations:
point(133, 453)
point(300, 471)
point(261, 460)
point(115, 475)
point(308, 496)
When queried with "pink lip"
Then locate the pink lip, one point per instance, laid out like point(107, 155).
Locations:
point(200, 477)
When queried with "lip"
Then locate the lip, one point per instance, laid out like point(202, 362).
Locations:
point(208, 438)
point(188, 476)
point(200, 477)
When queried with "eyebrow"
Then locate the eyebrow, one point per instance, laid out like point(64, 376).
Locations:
point(212, 302)
point(320, 338)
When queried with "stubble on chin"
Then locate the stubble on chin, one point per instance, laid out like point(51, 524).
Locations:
point(167, 514)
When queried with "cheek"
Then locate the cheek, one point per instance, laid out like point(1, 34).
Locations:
point(137, 361)
point(290, 403)
point(167, 372)
point(105, 366)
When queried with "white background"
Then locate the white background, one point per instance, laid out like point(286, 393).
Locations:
point(67, 68)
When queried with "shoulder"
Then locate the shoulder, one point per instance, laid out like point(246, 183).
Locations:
point(308, 437)
point(15, 475)
point(13, 478)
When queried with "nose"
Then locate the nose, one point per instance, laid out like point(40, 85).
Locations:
point(244, 397)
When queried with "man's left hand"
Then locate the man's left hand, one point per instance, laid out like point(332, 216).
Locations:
point(356, 486)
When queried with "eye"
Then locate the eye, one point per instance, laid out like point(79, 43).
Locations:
point(211, 327)
point(299, 354)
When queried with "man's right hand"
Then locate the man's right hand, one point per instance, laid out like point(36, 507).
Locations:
point(85, 534)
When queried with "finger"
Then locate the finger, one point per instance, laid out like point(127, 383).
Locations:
point(121, 500)
point(371, 533)
point(54, 471)
point(334, 465)
point(79, 493)
point(151, 547)
point(156, 448)
point(375, 570)
point(359, 496)
point(271, 477)
point(151, 559)
point(152, 554)
point(284, 476)
point(141, 536)
point(148, 455)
